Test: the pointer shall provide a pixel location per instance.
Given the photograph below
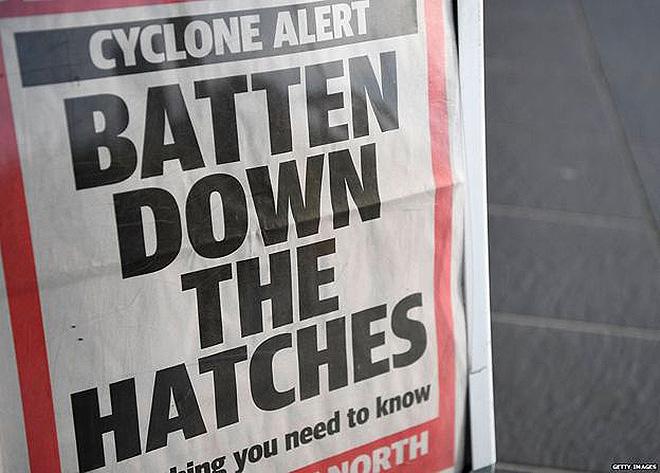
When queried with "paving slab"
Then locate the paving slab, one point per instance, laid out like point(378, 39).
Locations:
point(572, 400)
point(517, 35)
point(575, 269)
point(625, 37)
point(555, 167)
point(552, 141)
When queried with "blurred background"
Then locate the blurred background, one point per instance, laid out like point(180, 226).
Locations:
point(573, 143)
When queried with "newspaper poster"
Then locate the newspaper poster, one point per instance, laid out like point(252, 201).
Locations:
point(231, 237)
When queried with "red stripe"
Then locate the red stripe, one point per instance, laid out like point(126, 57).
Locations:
point(24, 303)
point(12, 8)
point(439, 132)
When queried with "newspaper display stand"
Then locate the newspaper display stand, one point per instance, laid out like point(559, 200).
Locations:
point(477, 284)
point(233, 234)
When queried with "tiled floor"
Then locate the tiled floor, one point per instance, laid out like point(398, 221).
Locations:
point(573, 137)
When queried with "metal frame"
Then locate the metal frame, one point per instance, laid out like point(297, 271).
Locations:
point(480, 376)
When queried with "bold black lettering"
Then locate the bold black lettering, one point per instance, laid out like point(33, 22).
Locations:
point(276, 84)
point(90, 426)
point(364, 342)
point(310, 358)
point(130, 230)
point(274, 222)
point(310, 278)
point(251, 293)
point(173, 384)
point(166, 102)
point(320, 102)
point(223, 366)
point(264, 393)
point(408, 329)
point(221, 93)
point(209, 307)
point(86, 141)
point(203, 467)
point(384, 102)
point(365, 194)
point(200, 221)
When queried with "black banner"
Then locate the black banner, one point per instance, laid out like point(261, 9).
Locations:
point(92, 52)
